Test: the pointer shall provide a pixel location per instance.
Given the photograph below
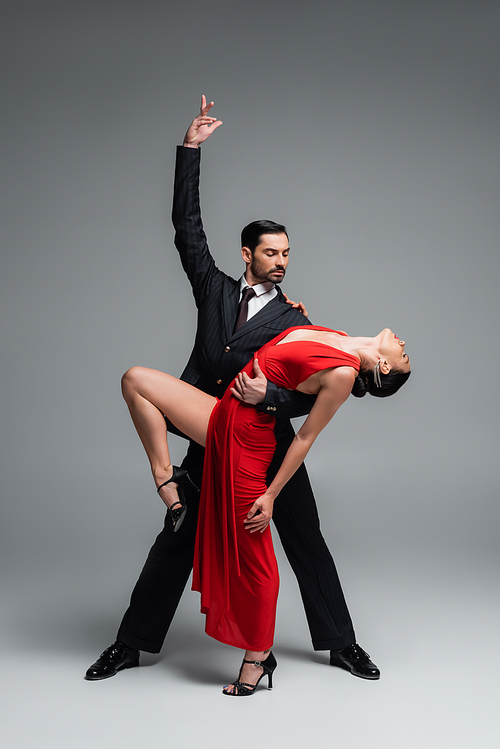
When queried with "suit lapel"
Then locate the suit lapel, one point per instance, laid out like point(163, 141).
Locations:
point(230, 302)
point(273, 309)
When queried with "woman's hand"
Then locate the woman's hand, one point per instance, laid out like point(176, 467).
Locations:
point(297, 305)
point(201, 127)
point(260, 514)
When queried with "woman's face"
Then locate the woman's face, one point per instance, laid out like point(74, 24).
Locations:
point(392, 350)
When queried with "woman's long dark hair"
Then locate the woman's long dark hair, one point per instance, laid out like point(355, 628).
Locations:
point(365, 383)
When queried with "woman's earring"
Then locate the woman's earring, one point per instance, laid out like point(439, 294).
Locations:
point(376, 375)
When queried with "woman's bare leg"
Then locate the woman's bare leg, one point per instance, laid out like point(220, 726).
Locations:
point(150, 395)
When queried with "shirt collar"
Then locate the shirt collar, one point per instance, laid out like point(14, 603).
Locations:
point(260, 288)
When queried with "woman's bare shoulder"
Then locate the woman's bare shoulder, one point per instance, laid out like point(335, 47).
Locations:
point(338, 378)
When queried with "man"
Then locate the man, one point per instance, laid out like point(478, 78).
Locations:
point(235, 318)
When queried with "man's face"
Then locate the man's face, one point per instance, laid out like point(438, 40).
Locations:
point(268, 261)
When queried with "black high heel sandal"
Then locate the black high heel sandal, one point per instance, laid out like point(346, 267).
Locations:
point(245, 690)
point(180, 477)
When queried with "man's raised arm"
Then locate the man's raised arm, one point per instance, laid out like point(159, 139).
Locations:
point(190, 239)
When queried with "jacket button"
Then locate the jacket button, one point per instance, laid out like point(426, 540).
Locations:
point(219, 382)
point(228, 348)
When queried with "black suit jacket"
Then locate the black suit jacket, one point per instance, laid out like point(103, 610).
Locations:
point(218, 353)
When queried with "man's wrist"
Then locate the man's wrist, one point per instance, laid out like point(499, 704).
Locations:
point(190, 145)
point(270, 395)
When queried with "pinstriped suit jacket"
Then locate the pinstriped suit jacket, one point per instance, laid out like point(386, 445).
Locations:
point(218, 353)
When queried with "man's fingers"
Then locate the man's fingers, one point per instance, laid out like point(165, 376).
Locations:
point(200, 122)
point(240, 382)
point(238, 387)
point(204, 107)
point(256, 368)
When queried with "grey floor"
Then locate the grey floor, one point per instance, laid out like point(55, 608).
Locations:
point(432, 634)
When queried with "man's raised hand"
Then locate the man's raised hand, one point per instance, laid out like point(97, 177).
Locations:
point(202, 126)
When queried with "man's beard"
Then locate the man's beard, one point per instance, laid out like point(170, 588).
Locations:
point(262, 275)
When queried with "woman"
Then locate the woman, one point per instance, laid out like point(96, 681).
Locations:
point(235, 568)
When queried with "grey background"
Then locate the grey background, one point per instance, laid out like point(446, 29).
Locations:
point(371, 129)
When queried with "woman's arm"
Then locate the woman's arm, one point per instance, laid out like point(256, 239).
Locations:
point(335, 387)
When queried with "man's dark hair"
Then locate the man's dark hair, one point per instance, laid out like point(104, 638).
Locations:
point(251, 234)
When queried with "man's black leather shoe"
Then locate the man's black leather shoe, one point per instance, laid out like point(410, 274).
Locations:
point(354, 659)
point(114, 658)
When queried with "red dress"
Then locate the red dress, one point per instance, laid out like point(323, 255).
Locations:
point(235, 570)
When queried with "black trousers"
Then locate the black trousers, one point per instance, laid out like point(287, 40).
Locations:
point(164, 576)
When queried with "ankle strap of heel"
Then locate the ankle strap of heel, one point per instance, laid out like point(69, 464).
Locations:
point(256, 663)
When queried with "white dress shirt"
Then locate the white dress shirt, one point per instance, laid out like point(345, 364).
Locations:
point(264, 292)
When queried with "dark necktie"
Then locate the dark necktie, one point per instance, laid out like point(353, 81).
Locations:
point(242, 315)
